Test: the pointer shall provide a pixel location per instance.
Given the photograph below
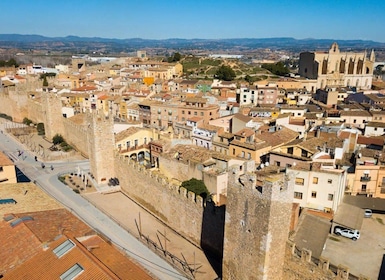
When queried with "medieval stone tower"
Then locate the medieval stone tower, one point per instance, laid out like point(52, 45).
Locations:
point(257, 224)
point(52, 114)
point(101, 146)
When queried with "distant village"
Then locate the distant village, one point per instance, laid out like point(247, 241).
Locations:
point(322, 130)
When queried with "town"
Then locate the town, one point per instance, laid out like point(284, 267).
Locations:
point(258, 169)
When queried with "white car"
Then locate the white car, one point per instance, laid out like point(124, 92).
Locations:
point(368, 213)
point(349, 233)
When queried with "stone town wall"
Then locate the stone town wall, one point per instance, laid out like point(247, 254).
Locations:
point(35, 111)
point(76, 135)
point(13, 104)
point(201, 223)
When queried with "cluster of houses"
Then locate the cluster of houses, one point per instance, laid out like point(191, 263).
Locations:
point(331, 136)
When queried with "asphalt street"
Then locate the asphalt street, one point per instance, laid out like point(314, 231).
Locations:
point(47, 180)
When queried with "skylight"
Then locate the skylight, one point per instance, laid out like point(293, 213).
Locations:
point(72, 272)
point(63, 248)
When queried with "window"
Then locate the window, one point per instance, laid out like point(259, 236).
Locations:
point(298, 195)
point(72, 272)
point(354, 121)
point(189, 112)
point(299, 181)
point(202, 114)
point(290, 150)
point(314, 194)
point(278, 163)
point(330, 197)
point(233, 151)
point(363, 188)
point(248, 155)
point(1, 169)
point(315, 180)
point(195, 113)
point(182, 112)
point(63, 248)
point(330, 181)
point(243, 154)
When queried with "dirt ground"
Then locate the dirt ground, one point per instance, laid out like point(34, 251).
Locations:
point(75, 182)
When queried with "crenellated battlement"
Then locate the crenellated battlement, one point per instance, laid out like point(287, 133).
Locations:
point(316, 267)
point(161, 181)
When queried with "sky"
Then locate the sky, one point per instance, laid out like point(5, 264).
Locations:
point(187, 19)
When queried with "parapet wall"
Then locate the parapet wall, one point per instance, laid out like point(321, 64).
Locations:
point(303, 265)
point(180, 209)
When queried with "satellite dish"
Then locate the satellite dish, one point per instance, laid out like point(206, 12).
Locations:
point(359, 155)
point(294, 163)
point(267, 163)
point(262, 165)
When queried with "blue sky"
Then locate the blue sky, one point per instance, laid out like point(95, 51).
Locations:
point(206, 19)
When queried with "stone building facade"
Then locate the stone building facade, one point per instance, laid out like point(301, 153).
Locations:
point(338, 69)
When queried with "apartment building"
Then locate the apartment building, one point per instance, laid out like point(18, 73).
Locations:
point(316, 188)
point(197, 107)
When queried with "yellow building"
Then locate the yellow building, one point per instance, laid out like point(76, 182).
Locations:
point(7, 170)
point(134, 142)
point(244, 146)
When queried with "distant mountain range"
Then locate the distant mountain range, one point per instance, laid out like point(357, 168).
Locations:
point(75, 43)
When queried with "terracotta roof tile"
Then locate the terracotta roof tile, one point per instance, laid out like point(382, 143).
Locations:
point(46, 265)
point(114, 260)
point(47, 225)
point(18, 244)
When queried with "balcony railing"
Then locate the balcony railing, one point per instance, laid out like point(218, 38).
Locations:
point(365, 178)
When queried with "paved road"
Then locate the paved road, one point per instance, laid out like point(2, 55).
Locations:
point(47, 180)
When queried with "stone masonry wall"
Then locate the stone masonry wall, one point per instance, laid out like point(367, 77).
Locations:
point(180, 209)
point(257, 227)
point(76, 135)
point(14, 105)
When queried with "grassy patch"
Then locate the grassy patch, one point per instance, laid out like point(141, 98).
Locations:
point(334, 238)
point(63, 179)
point(379, 220)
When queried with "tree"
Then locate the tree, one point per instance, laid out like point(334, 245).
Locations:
point(196, 186)
point(278, 68)
point(57, 139)
point(249, 79)
point(45, 82)
point(225, 73)
point(174, 58)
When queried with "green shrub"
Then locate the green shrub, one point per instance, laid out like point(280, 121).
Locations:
point(40, 129)
point(27, 121)
point(5, 116)
point(63, 179)
point(57, 139)
point(66, 148)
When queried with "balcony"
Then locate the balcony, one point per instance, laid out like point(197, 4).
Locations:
point(365, 178)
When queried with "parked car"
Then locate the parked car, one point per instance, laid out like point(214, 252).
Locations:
point(368, 213)
point(349, 233)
